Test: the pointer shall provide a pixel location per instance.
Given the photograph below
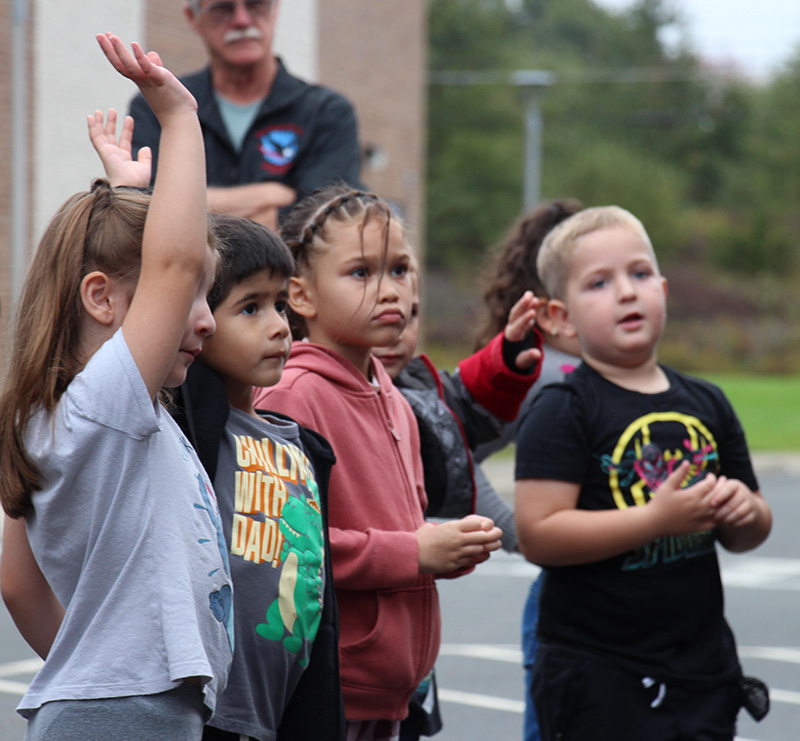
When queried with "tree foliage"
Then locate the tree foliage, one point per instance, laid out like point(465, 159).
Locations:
point(709, 163)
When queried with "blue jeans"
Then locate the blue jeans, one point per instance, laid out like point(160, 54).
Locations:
point(530, 618)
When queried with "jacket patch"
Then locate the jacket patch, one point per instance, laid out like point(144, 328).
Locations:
point(278, 146)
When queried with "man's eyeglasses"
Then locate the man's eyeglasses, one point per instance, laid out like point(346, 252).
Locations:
point(223, 12)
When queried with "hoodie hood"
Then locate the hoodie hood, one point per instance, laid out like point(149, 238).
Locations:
point(308, 357)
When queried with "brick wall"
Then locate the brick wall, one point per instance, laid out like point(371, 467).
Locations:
point(167, 31)
point(374, 52)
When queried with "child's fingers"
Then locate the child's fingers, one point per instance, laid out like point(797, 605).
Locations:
point(155, 58)
point(115, 52)
point(517, 330)
point(528, 358)
point(675, 479)
point(143, 60)
point(111, 124)
point(126, 137)
point(96, 129)
point(474, 522)
point(724, 490)
point(482, 537)
point(522, 305)
point(145, 156)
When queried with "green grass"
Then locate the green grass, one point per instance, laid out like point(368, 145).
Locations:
point(768, 407)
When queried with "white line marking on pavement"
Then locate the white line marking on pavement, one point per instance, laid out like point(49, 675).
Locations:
point(13, 668)
point(508, 654)
point(13, 688)
point(25, 666)
point(742, 572)
point(511, 654)
point(787, 696)
point(481, 701)
point(770, 653)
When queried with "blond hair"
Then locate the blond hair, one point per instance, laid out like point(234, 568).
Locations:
point(553, 261)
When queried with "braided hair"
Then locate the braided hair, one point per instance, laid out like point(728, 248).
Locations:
point(306, 229)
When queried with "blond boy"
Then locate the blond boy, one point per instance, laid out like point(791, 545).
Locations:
point(627, 473)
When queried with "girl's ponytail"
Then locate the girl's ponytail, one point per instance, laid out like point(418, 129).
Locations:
point(96, 230)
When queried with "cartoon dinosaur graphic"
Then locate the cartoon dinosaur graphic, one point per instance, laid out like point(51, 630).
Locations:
point(298, 607)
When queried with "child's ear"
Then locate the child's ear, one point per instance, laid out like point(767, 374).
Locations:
point(301, 298)
point(102, 298)
point(558, 317)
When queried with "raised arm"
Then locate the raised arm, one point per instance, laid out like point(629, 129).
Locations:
point(175, 254)
point(31, 602)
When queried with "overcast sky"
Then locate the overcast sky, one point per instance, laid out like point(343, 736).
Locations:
point(758, 35)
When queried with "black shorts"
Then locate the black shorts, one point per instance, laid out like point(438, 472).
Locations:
point(579, 697)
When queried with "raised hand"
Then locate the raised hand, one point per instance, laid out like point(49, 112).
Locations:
point(521, 320)
point(165, 94)
point(118, 162)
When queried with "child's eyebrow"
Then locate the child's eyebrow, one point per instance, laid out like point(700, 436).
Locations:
point(281, 292)
point(253, 296)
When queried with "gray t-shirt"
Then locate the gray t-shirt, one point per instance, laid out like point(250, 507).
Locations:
point(127, 532)
point(271, 516)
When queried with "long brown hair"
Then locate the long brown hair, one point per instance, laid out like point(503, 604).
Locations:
point(513, 265)
point(101, 230)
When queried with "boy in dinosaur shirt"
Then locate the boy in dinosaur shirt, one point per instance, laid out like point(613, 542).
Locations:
point(270, 475)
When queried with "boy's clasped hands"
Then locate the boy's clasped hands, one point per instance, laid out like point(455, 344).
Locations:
point(712, 502)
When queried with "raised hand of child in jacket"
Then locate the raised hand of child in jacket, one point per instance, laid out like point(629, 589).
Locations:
point(521, 320)
point(116, 156)
point(457, 544)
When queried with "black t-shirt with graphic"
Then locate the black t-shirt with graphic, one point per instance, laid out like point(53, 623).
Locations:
point(657, 610)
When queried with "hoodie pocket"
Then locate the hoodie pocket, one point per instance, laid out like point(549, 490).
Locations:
point(389, 639)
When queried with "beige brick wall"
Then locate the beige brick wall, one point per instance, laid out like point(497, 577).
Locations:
point(168, 32)
point(6, 182)
point(374, 52)
point(5, 167)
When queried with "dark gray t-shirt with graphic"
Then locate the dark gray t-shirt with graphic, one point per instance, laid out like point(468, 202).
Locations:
point(269, 503)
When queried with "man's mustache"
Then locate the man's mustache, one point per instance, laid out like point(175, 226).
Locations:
point(241, 34)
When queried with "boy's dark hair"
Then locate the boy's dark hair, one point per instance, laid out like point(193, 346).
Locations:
point(245, 248)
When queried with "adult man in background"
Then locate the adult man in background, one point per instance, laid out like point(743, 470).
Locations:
point(270, 138)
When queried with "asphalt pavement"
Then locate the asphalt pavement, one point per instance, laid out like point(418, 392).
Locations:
point(479, 666)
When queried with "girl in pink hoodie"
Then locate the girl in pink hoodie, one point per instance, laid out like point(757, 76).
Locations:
point(352, 292)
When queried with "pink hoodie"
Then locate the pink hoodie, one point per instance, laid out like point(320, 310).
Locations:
point(390, 624)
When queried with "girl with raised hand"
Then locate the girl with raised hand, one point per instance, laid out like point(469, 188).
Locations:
point(114, 566)
point(352, 292)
